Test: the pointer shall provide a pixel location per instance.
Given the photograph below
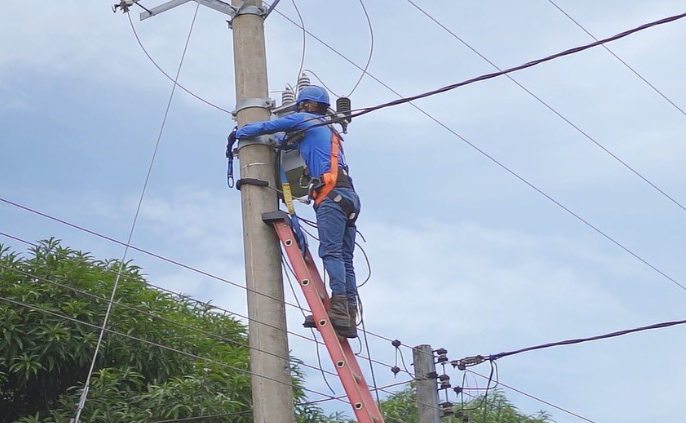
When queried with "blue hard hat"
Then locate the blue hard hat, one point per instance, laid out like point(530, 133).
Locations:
point(313, 93)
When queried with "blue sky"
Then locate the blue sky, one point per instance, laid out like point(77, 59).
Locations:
point(465, 256)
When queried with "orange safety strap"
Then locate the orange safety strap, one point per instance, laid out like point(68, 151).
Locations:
point(329, 178)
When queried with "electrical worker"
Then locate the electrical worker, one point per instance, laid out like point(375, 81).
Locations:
point(336, 203)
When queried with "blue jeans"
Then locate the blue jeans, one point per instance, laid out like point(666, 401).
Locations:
point(337, 242)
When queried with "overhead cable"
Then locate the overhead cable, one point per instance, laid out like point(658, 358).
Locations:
point(574, 50)
point(477, 359)
point(555, 111)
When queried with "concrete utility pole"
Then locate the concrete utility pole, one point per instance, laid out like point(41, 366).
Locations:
point(272, 393)
point(427, 389)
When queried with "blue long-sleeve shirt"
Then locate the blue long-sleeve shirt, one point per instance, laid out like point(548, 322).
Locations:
point(314, 148)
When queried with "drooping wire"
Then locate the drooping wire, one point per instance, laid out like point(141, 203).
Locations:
point(555, 111)
point(634, 71)
point(86, 386)
point(302, 58)
point(159, 68)
point(364, 252)
point(371, 48)
point(321, 82)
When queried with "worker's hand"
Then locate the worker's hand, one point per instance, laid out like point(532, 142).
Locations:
point(232, 135)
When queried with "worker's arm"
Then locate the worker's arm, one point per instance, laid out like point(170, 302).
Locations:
point(284, 124)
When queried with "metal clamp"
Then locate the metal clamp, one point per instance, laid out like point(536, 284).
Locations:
point(258, 140)
point(248, 103)
point(246, 10)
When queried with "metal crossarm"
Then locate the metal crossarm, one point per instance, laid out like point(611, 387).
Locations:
point(343, 358)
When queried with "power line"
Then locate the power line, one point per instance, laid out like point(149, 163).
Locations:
point(157, 256)
point(86, 387)
point(532, 63)
point(164, 319)
point(155, 344)
point(557, 407)
point(634, 71)
point(473, 360)
point(314, 339)
point(551, 108)
point(494, 160)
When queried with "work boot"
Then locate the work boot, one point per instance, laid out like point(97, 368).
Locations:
point(351, 332)
point(338, 314)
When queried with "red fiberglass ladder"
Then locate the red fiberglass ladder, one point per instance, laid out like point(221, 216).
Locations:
point(341, 354)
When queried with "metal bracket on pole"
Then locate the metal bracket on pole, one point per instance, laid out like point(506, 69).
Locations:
point(217, 5)
point(271, 8)
point(249, 103)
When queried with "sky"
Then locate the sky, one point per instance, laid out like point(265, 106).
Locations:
point(464, 254)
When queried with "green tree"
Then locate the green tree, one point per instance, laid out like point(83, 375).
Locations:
point(401, 407)
point(44, 356)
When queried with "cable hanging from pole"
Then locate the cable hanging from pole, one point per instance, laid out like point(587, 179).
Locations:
point(463, 363)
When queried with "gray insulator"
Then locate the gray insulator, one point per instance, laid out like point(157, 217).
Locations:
point(303, 81)
point(287, 96)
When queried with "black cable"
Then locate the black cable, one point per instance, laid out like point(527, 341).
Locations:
point(551, 108)
point(532, 63)
point(473, 360)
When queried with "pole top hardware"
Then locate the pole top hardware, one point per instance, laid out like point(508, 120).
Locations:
point(249, 103)
point(218, 5)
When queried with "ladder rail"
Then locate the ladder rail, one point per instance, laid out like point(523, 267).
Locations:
point(344, 360)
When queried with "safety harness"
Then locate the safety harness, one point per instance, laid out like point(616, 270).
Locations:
point(323, 186)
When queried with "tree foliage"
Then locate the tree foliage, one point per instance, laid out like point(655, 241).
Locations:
point(401, 407)
point(44, 358)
